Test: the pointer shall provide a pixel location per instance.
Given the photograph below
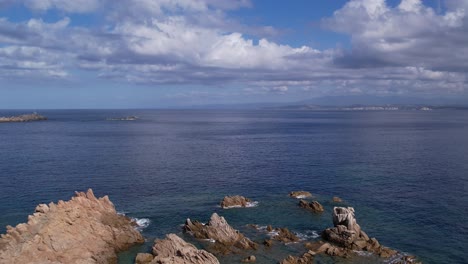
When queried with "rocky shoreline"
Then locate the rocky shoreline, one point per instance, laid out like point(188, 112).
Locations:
point(23, 118)
point(89, 230)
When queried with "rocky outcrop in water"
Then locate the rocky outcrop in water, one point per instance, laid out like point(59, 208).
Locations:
point(300, 194)
point(23, 118)
point(235, 201)
point(83, 230)
point(348, 235)
point(313, 206)
point(284, 235)
point(226, 238)
point(174, 250)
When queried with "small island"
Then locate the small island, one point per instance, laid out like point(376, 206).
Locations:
point(23, 118)
point(126, 118)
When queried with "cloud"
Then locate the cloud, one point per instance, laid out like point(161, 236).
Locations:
point(75, 6)
point(409, 48)
point(410, 34)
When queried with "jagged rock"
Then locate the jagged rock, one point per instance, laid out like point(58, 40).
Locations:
point(174, 250)
point(314, 206)
point(284, 235)
point(217, 229)
point(300, 194)
point(345, 216)
point(269, 228)
point(307, 258)
point(23, 118)
point(249, 259)
point(235, 201)
point(83, 230)
point(337, 199)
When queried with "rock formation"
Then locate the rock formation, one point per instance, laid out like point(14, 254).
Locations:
point(83, 230)
point(284, 235)
point(235, 201)
point(313, 206)
point(226, 238)
point(348, 235)
point(174, 250)
point(23, 118)
point(300, 194)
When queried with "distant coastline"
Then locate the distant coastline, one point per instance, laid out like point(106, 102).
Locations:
point(23, 118)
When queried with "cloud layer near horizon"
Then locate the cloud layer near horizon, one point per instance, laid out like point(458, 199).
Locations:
point(405, 49)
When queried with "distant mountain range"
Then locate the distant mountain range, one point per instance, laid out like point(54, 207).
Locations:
point(353, 103)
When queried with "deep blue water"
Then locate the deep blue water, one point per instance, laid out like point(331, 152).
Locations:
point(405, 173)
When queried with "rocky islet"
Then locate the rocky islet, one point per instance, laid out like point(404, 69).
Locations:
point(89, 230)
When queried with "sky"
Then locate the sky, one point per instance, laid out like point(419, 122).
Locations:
point(181, 53)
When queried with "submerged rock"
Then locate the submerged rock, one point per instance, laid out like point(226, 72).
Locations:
point(23, 118)
point(174, 250)
point(226, 238)
point(85, 229)
point(300, 194)
point(249, 259)
point(337, 199)
point(236, 201)
point(313, 206)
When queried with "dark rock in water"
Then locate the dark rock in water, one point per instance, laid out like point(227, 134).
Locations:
point(284, 235)
point(268, 242)
point(337, 199)
point(174, 250)
point(249, 259)
point(314, 206)
point(23, 118)
point(83, 230)
point(226, 238)
point(236, 201)
point(300, 194)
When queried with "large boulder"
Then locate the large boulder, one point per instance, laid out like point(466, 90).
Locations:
point(83, 230)
point(236, 201)
point(174, 250)
point(226, 238)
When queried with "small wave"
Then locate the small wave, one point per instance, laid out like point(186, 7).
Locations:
point(142, 223)
point(210, 240)
point(301, 197)
point(307, 235)
point(363, 253)
point(252, 204)
point(248, 205)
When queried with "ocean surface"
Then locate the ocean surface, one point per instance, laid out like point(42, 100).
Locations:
point(405, 173)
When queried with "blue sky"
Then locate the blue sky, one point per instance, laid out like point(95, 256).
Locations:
point(179, 53)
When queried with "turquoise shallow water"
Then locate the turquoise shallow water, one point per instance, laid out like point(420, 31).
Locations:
point(406, 173)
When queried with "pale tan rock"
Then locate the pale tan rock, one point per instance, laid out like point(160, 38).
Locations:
point(174, 250)
point(307, 258)
point(249, 259)
point(235, 201)
point(221, 232)
point(300, 194)
point(83, 230)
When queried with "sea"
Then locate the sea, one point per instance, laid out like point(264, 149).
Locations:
point(404, 172)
